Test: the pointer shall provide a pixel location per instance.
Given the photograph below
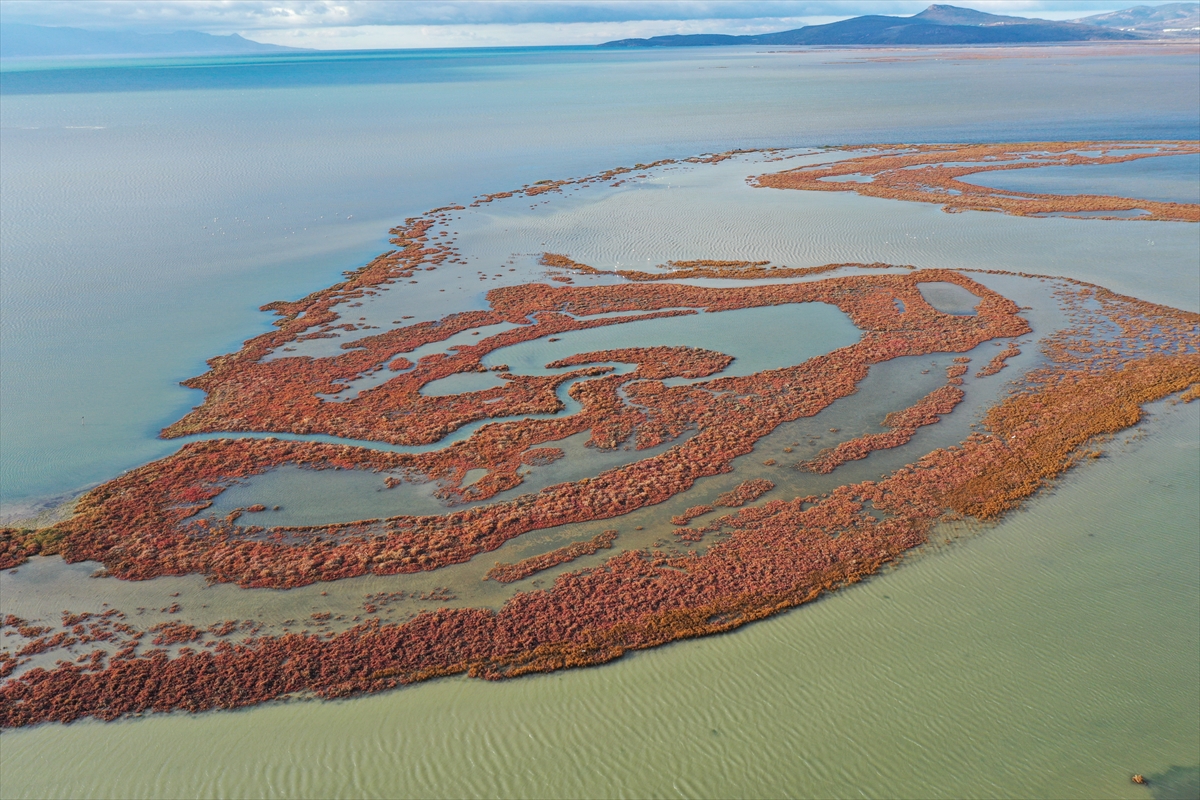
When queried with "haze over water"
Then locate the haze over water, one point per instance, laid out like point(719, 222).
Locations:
point(148, 208)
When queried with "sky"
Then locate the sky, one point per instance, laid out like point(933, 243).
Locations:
point(369, 24)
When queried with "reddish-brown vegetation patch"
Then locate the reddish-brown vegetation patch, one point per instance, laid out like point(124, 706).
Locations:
point(706, 268)
point(930, 174)
point(903, 425)
point(744, 492)
point(770, 557)
point(690, 514)
point(145, 523)
point(507, 573)
point(998, 361)
point(167, 633)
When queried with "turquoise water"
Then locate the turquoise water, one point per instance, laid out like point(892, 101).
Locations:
point(949, 298)
point(1170, 179)
point(148, 208)
point(799, 330)
point(297, 496)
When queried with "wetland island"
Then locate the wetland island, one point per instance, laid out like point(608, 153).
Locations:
point(577, 458)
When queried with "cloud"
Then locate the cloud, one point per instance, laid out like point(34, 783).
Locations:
point(287, 14)
point(227, 16)
point(384, 24)
point(371, 37)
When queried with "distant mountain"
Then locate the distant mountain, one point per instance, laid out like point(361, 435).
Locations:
point(938, 24)
point(30, 41)
point(953, 15)
point(1172, 19)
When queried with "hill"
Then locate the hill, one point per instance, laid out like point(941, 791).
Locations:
point(938, 24)
point(1171, 19)
point(32, 41)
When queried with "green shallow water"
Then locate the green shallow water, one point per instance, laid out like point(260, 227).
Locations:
point(1052, 655)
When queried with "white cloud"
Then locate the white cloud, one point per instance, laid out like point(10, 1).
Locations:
point(230, 15)
point(370, 37)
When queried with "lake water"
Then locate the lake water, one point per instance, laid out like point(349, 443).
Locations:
point(147, 209)
point(1170, 179)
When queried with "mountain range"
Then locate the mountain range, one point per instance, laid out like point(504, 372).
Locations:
point(944, 24)
point(936, 25)
point(1171, 19)
point(31, 41)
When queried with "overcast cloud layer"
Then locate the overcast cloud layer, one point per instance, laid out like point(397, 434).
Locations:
point(355, 24)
